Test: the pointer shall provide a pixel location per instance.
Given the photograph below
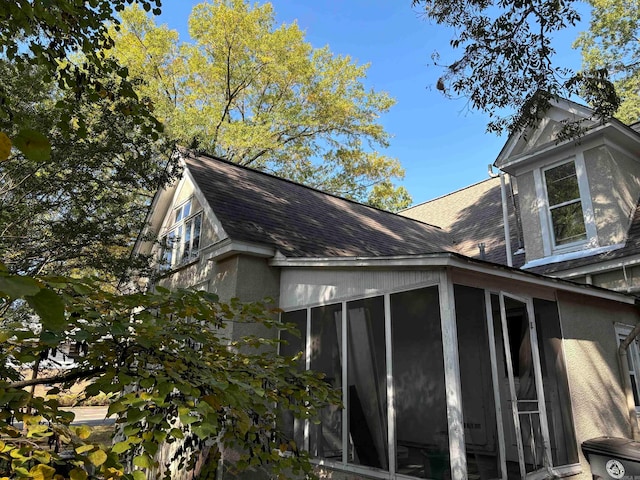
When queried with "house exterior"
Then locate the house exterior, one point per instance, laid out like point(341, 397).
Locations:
point(573, 206)
point(450, 366)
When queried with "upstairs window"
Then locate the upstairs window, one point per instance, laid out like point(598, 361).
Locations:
point(565, 205)
point(182, 241)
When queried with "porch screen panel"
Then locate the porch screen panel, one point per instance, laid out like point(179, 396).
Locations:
point(326, 346)
point(478, 399)
point(291, 427)
point(367, 383)
point(564, 450)
point(422, 438)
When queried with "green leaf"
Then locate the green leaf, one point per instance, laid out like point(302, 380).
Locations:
point(139, 475)
point(84, 448)
point(42, 472)
point(49, 308)
point(34, 145)
point(188, 419)
point(97, 458)
point(120, 447)
point(83, 431)
point(16, 286)
point(77, 474)
point(143, 461)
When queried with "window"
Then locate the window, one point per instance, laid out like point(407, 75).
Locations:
point(182, 241)
point(565, 205)
point(633, 360)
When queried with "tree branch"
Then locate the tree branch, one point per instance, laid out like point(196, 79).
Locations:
point(62, 378)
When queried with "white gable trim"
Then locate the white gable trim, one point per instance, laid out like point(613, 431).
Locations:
point(571, 108)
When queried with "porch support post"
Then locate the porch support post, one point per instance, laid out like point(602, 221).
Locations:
point(457, 456)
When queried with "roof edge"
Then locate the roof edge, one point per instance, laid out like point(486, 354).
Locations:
point(454, 260)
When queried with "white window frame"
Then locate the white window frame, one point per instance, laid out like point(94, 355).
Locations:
point(546, 223)
point(633, 354)
point(178, 246)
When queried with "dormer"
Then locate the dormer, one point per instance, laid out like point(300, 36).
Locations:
point(576, 196)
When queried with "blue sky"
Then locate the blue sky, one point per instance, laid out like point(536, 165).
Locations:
point(441, 144)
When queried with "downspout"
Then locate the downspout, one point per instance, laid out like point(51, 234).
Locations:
point(626, 378)
point(505, 214)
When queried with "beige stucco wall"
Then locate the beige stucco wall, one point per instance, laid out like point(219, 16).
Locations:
point(530, 217)
point(614, 180)
point(598, 399)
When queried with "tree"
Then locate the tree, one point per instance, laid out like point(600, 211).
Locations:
point(259, 95)
point(174, 376)
point(613, 43)
point(46, 34)
point(506, 66)
point(81, 210)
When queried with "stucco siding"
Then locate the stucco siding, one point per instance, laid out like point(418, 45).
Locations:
point(305, 287)
point(599, 402)
point(530, 217)
point(614, 180)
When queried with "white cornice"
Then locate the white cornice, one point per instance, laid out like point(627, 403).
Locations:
point(228, 247)
point(449, 260)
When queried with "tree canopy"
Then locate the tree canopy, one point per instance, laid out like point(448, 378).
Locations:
point(258, 94)
point(67, 40)
point(613, 43)
point(507, 67)
point(80, 210)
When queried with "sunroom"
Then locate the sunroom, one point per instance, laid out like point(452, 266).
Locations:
point(448, 367)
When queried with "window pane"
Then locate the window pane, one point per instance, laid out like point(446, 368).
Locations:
point(326, 357)
point(195, 243)
point(186, 249)
point(568, 223)
point(478, 401)
point(291, 427)
point(367, 380)
point(562, 184)
point(186, 209)
point(422, 432)
point(179, 233)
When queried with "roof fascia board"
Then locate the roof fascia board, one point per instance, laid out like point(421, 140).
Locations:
point(451, 261)
point(228, 247)
point(604, 130)
point(602, 267)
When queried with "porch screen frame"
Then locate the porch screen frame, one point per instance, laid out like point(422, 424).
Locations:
point(452, 376)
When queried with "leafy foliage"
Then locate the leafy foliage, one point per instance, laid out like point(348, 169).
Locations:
point(257, 94)
point(611, 43)
point(175, 376)
point(81, 210)
point(46, 34)
point(506, 63)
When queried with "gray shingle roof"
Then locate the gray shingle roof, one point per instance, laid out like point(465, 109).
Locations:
point(302, 222)
point(473, 215)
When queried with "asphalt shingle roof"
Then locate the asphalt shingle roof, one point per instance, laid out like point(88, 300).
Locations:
point(302, 222)
point(473, 215)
